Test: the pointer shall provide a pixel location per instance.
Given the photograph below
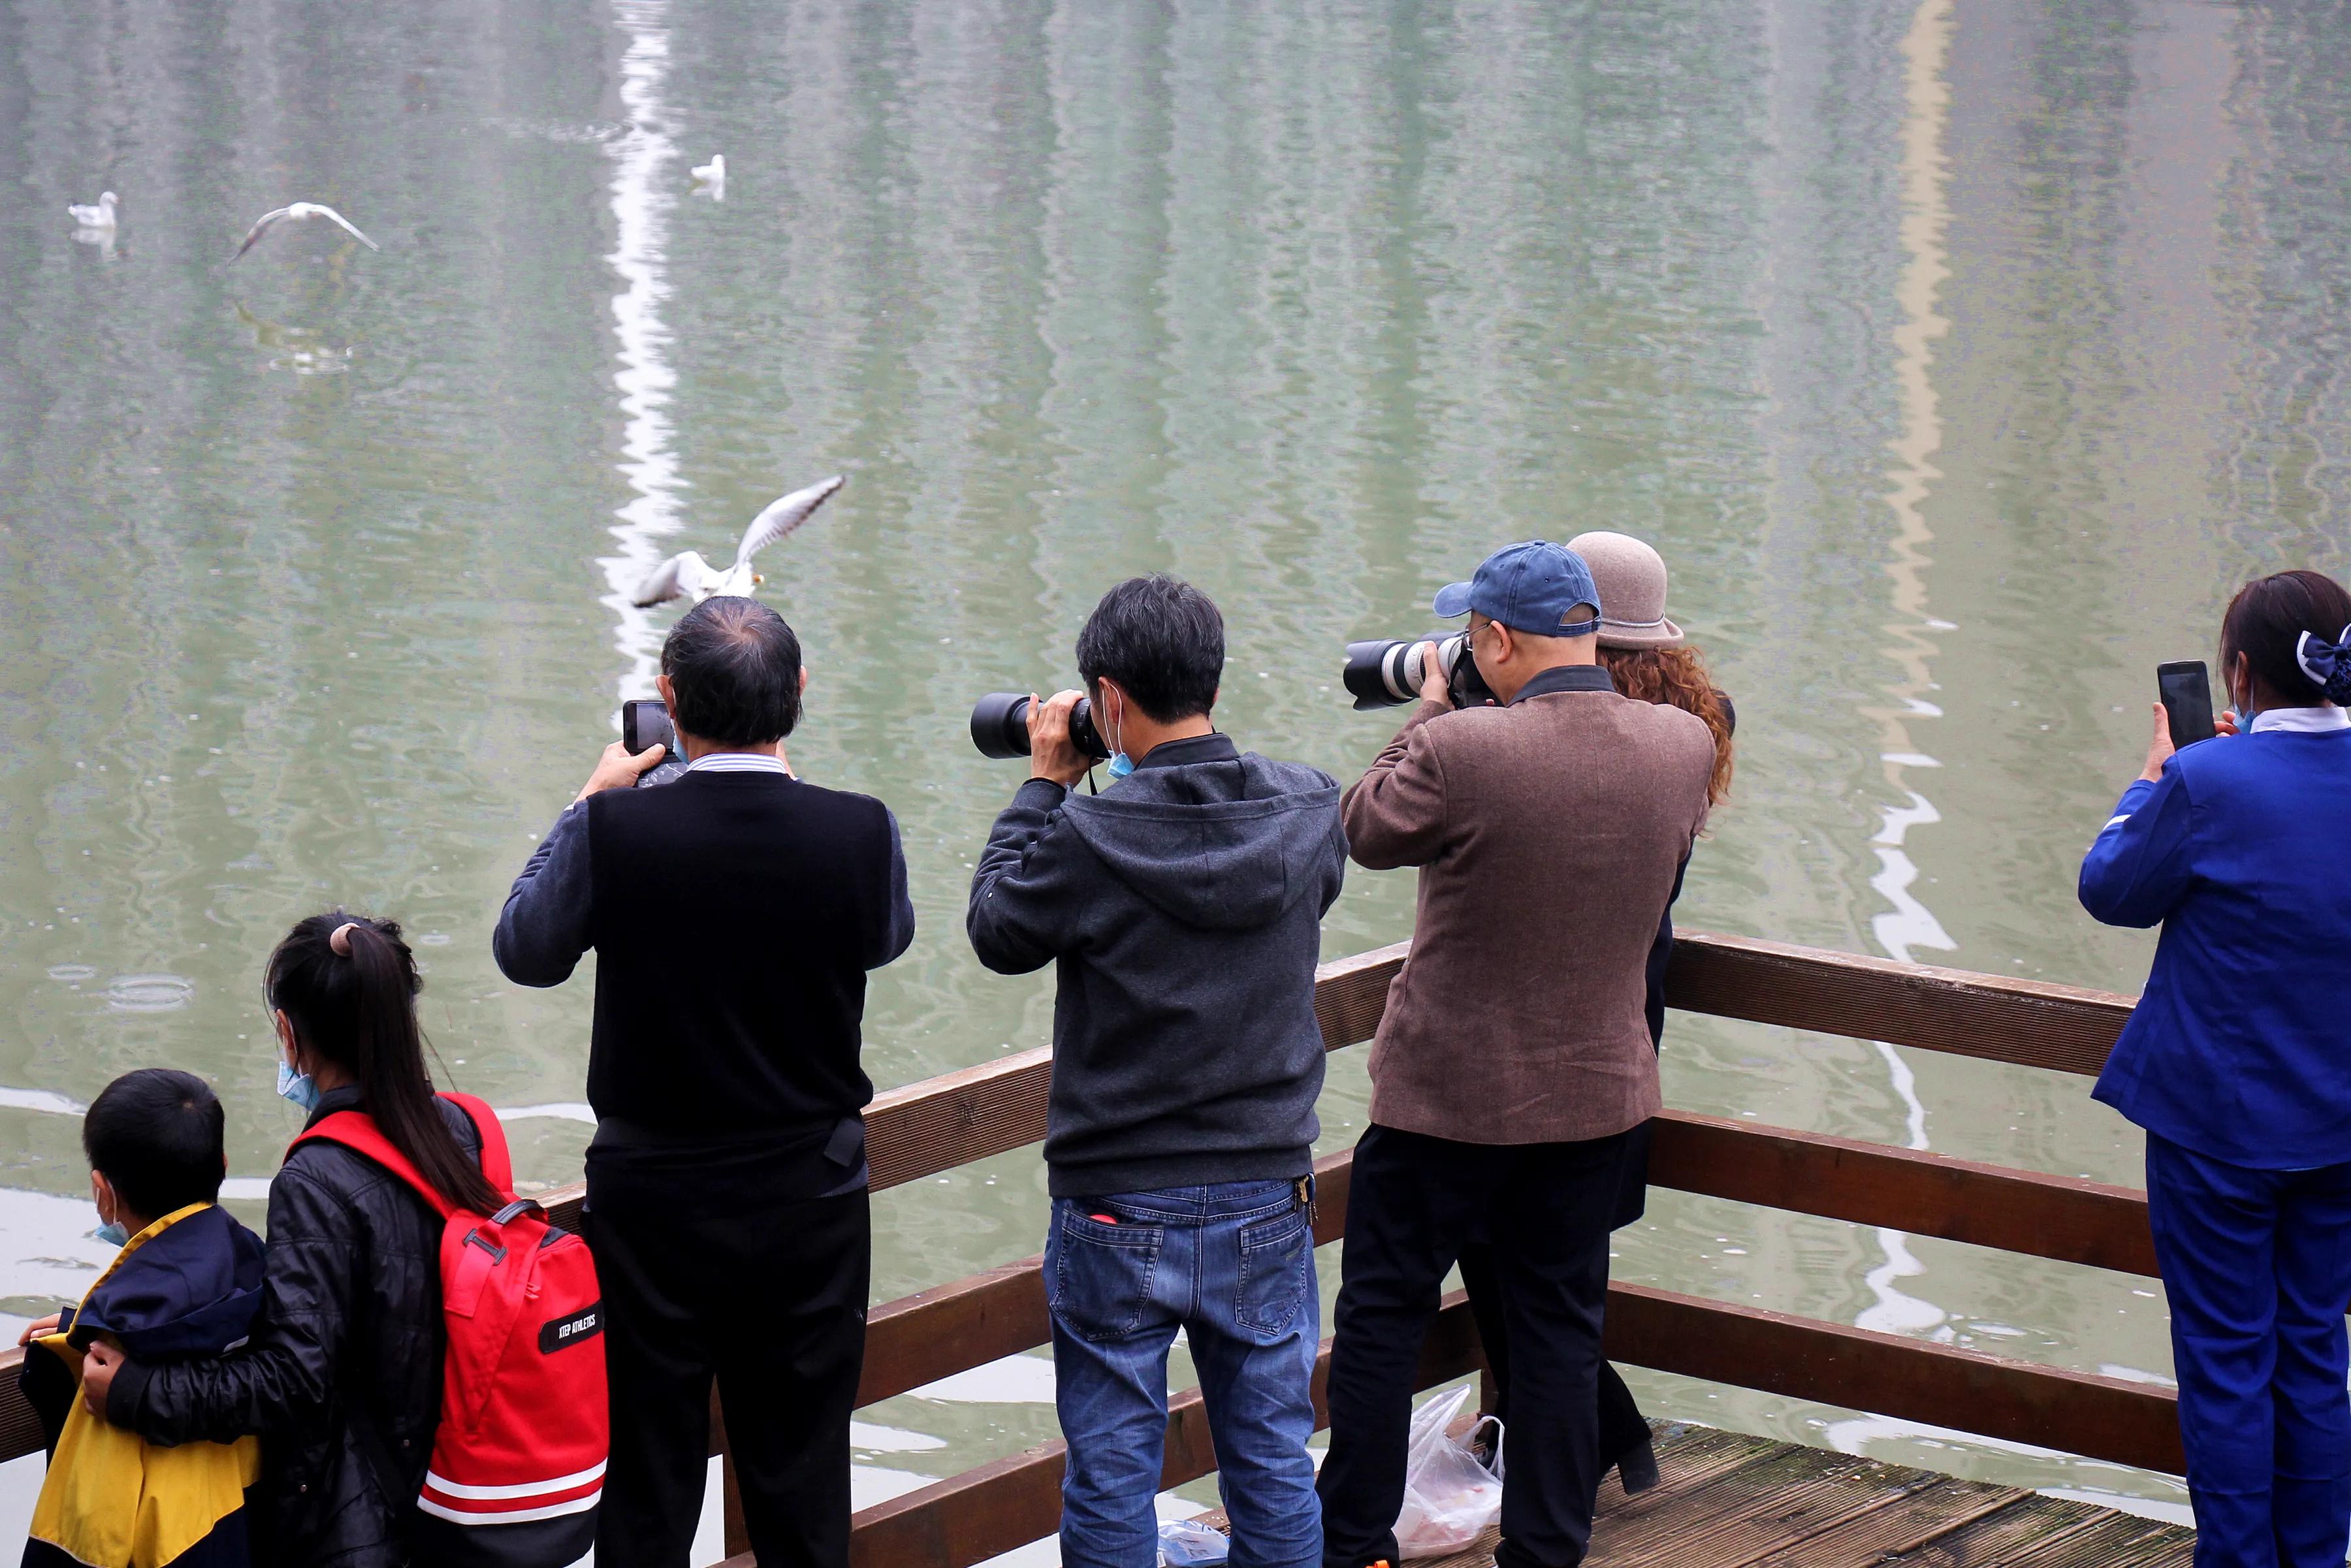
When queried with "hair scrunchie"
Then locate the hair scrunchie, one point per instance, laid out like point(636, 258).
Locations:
point(341, 939)
point(2328, 664)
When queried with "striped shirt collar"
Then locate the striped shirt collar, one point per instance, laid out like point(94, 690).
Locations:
point(737, 762)
point(2303, 720)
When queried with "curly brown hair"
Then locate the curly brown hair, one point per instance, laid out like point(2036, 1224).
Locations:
point(1676, 676)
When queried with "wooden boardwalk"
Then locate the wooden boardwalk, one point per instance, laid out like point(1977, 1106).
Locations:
point(1724, 1501)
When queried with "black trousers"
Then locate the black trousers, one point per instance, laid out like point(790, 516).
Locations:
point(772, 1305)
point(1545, 1211)
point(1624, 1430)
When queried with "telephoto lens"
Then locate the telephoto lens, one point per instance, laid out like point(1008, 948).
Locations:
point(999, 727)
point(1381, 673)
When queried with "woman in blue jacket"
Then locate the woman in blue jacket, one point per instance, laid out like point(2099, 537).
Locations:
point(2238, 1063)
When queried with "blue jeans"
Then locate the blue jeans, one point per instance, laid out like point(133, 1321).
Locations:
point(2257, 1268)
point(1233, 1265)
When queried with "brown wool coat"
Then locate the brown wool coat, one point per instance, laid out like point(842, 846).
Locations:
point(1548, 834)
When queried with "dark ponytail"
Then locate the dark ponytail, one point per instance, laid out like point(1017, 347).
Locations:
point(2265, 622)
point(350, 986)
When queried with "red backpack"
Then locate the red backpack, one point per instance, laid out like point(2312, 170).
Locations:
point(519, 1461)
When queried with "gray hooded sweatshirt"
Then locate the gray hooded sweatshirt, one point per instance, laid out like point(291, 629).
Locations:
point(1184, 906)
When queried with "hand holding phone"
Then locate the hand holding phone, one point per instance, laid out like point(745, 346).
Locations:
point(2185, 691)
point(644, 721)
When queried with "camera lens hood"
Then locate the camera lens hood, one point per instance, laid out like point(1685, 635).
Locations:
point(999, 725)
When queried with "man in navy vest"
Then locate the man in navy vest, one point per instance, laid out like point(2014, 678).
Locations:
point(734, 914)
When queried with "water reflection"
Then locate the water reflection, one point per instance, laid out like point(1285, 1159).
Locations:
point(301, 349)
point(1910, 925)
point(641, 155)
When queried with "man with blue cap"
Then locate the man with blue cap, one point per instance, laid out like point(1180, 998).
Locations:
point(1514, 1055)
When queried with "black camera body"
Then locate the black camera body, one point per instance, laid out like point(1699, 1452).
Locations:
point(1381, 673)
point(644, 721)
point(999, 727)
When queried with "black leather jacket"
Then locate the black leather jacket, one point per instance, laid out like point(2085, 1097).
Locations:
point(343, 1377)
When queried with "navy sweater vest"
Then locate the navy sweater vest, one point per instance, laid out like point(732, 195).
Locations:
point(735, 917)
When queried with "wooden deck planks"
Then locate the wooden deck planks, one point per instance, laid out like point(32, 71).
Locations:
point(1730, 1501)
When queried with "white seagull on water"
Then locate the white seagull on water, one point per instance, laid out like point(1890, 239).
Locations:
point(688, 574)
point(713, 173)
point(101, 216)
point(262, 225)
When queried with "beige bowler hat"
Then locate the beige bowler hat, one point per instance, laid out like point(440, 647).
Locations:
point(1631, 577)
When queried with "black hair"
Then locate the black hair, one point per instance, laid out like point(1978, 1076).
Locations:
point(157, 1135)
point(735, 667)
point(358, 1011)
point(2265, 622)
point(1161, 641)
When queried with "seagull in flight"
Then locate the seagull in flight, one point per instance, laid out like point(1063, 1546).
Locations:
point(101, 216)
point(262, 225)
point(686, 574)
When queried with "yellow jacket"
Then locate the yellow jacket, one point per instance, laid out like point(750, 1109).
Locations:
point(187, 1285)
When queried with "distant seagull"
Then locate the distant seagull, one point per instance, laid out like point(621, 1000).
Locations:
point(688, 574)
point(101, 216)
point(713, 175)
point(262, 225)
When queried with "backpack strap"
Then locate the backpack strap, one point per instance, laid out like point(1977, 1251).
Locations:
point(497, 1164)
point(357, 1131)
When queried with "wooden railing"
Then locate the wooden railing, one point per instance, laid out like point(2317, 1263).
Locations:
point(945, 1121)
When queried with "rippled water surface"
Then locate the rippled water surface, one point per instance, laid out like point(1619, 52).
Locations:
point(1960, 359)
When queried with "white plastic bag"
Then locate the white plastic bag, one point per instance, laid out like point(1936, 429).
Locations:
point(1182, 1544)
point(1448, 1497)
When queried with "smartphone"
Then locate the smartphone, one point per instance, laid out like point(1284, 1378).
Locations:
point(2187, 693)
point(646, 722)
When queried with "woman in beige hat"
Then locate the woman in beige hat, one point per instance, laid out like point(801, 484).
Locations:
point(1643, 648)
point(1647, 655)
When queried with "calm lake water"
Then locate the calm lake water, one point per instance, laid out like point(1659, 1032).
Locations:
point(1960, 359)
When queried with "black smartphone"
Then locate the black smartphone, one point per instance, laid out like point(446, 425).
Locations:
point(2187, 693)
point(644, 721)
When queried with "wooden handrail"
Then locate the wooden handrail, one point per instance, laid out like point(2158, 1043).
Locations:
point(970, 1517)
point(2067, 1218)
point(925, 1128)
point(957, 1117)
point(2030, 1023)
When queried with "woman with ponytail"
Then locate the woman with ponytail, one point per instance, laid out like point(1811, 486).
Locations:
point(2237, 1062)
point(341, 1378)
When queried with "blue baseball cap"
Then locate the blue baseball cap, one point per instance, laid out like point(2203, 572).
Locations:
point(1538, 588)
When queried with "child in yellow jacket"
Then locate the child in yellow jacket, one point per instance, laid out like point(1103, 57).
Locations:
point(187, 1283)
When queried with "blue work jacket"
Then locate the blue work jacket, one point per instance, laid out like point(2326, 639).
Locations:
point(2240, 1047)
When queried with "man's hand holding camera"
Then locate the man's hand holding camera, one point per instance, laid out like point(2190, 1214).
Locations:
point(1436, 685)
point(1052, 754)
point(617, 769)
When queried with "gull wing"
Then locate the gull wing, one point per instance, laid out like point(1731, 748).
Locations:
point(260, 226)
point(325, 211)
point(781, 515)
point(680, 575)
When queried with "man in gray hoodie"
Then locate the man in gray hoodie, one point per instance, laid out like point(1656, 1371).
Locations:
point(1183, 906)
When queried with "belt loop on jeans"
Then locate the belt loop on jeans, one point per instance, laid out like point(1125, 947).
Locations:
point(1303, 1194)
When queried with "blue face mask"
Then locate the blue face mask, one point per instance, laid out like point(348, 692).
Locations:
point(297, 1087)
point(113, 1235)
point(1121, 764)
